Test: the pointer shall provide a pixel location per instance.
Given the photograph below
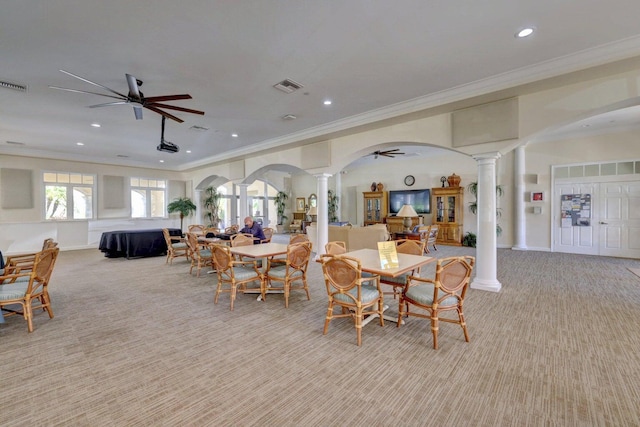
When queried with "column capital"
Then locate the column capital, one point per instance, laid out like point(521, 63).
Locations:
point(322, 175)
point(493, 155)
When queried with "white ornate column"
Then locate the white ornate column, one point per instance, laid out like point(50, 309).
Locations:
point(244, 207)
point(519, 217)
point(487, 243)
point(338, 194)
point(323, 213)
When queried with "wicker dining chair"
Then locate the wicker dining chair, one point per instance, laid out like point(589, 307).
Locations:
point(335, 248)
point(232, 229)
point(268, 235)
point(289, 270)
point(404, 246)
point(446, 292)
point(22, 263)
point(348, 290)
point(234, 274)
point(30, 291)
point(199, 257)
point(176, 246)
point(197, 229)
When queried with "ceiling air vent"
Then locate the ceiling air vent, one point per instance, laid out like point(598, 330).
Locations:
point(288, 86)
point(15, 143)
point(289, 117)
point(14, 86)
point(199, 128)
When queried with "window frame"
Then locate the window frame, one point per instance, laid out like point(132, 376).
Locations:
point(69, 186)
point(148, 190)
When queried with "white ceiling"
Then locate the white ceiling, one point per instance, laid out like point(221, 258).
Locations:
point(372, 59)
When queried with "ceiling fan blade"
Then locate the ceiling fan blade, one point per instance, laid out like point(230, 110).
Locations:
point(173, 107)
point(93, 83)
point(138, 112)
point(164, 113)
point(108, 104)
point(167, 98)
point(85, 91)
point(134, 91)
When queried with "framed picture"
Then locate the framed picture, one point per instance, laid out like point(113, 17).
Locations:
point(300, 204)
point(537, 196)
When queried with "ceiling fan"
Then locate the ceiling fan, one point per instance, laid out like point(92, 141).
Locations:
point(135, 98)
point(387, 153)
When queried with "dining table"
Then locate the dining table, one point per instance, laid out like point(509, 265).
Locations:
point(370, 263)
point(264, 252)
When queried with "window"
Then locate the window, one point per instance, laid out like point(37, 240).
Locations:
point(68, 195)
point(148, 198)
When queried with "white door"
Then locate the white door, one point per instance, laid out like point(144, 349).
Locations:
point(582, 239)
point(620, 219)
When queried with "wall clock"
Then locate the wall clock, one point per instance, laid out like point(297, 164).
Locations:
point(409, 180)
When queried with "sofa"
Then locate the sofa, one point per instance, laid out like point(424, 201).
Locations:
point(354, 237)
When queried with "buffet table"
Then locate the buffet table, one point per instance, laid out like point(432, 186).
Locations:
point(135, 243)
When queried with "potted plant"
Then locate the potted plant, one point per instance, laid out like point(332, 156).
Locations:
point(332, 207)
point(280, 201)
point(469, 239)
point(184, 206)
point(473, 206)
point(212, 203)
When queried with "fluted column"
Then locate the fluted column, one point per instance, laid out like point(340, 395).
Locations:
point(487, 242)
point(323, 213)
point(519, 216)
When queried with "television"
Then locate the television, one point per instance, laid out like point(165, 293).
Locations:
point(419, 199)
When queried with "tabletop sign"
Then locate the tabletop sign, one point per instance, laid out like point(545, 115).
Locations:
point(388, 255)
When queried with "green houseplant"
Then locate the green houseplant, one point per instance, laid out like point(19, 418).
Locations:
point(280, 201)
point(184, 206)
point(469, 239)
point(211, 202)
point(332, 207)
point(473, 206)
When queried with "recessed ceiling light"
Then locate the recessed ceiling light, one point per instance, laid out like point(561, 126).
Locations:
point(235, 135)
point(95, 125)
point(188, 151)
point(525, 32)
point(161, 161)
point(79, 143)
point(327, 102)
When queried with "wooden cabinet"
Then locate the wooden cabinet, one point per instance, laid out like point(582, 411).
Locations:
point(448, 206)
point(376, 207)
point(300, 216)
point(395, 224)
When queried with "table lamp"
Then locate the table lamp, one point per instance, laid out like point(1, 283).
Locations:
point(407, 212)
point(313, 211)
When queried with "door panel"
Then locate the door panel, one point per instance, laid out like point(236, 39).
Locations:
point(576, 239)
point(620, 219)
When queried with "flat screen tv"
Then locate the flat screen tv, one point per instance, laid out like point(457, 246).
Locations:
point(419, 199)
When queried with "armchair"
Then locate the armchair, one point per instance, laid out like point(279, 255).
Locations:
point(445, 292)
point(234, 273)
point(291, 269)
point(176, 246)
point(346, 288)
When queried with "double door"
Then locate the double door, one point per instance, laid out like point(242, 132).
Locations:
point(609, 227)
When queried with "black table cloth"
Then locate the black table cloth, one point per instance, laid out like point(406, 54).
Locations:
point(135, 243)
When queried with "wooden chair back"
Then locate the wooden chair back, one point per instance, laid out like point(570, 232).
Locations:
point(335, 248)
point(297, 238)
point(241, 239)
point(432, 238)
point(197, 229)
point(411, 247)
point(232, 229)
point(211, 230)
point(225, 269)
point(268, 234)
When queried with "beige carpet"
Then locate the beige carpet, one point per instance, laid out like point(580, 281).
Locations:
point(140, 343)
point(635, 271)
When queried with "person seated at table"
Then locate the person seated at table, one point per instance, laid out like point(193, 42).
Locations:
point(252, 227)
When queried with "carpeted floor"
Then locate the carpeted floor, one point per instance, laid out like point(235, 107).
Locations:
point(138, 342)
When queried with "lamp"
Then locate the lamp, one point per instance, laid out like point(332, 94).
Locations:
point(407, 212)
point(313, 211)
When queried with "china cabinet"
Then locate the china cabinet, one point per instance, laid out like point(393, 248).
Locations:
point(447, 204)
point(376, 205)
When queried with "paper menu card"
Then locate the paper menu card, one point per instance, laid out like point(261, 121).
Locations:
point(388, 255)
